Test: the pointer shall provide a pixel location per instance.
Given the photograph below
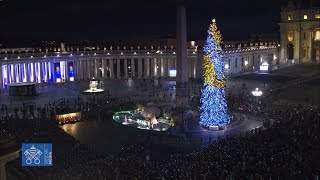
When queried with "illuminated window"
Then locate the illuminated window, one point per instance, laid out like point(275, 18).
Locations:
point(290, 17)
point(290, 35)
point(317, 16)
point(317, 35)
point(305, 16)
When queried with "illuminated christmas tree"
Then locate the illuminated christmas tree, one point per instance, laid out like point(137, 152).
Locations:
point(213, 100)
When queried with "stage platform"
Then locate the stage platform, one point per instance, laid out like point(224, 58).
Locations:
point(22, 89)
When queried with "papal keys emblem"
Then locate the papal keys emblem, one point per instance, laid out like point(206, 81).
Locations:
point(32, 155)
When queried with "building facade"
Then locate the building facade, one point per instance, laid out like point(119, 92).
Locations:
point(299, 34)
point(41, 66)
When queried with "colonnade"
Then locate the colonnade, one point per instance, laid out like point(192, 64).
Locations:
point(27, 72)
point(76, 67)
point(123, 68)
point(56, 70)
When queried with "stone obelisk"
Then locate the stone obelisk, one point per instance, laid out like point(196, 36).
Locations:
point(182, 87)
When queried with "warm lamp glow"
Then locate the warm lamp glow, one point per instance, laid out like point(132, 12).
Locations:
point(305, 16)
point(317, 36)
point(290, 35)
point(193, 43)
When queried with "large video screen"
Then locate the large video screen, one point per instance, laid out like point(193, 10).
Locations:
point(173, 72)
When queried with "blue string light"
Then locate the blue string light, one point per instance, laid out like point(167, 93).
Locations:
point(213, 101)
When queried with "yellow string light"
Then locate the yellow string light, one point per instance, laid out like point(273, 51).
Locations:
point(210, 77)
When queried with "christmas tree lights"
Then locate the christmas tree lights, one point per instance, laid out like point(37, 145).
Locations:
point(213, 101)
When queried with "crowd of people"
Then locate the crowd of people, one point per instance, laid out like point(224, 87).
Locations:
point(288, 149)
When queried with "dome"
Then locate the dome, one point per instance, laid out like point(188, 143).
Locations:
point(290, 6)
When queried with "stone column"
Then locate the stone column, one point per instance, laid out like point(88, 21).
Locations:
point(133, 69)
point(66, 71)
point(161, 67)
point(147, 67)
point(20, 72)
point(118, 68)
point(152, 67)
point(28, 68)
point(25, 76)
point(104, 74)
point(47, 71)
point(75, 67)
point(50, 74)
point(96, 69)
point(155, 67)
point(296, 45)
point(14, 73)
point(8, 74)
point(40, 69)
point(34, 72)
point(169, 62)
point(164, 67)
point(83, 69)
point(52, 71)
point(33, 65)
point(1, 80)
point(12, 78)
point(111, 68)
point(87, 69)
point(310, 43)
point(194, 70)
point(27, 72)
point(182, 90)
point(250, 63)
point(125, 68)
point(80, 69)
point(139, 67)
point(91, 69)
point(43, 73)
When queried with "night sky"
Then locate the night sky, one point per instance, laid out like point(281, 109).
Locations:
point(27, 20)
